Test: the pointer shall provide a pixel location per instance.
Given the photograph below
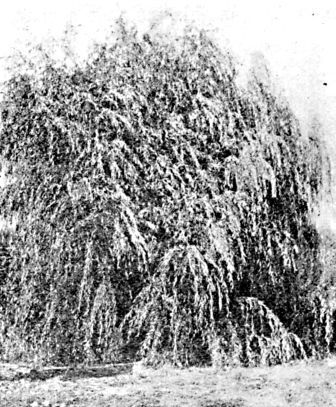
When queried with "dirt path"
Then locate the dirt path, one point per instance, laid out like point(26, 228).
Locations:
point(301, 384)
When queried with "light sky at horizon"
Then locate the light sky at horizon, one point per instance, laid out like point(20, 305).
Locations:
point(296, 37)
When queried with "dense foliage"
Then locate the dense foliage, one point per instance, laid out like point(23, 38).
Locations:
point(162, 209)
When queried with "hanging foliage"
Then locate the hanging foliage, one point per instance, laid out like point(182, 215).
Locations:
point(160, 206)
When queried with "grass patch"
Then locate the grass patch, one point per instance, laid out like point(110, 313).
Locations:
point(300, 383)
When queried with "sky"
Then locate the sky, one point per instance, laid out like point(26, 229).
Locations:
point(295, 37)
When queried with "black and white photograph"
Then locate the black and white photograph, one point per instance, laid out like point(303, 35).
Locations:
point(167, 203)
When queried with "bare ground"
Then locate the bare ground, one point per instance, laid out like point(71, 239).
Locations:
point(308, 384)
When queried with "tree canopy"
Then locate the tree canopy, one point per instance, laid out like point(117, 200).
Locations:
point(162, 208)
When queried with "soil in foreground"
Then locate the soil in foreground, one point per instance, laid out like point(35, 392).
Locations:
point(308, 384)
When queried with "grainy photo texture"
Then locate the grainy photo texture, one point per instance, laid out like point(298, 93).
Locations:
point(167, 231)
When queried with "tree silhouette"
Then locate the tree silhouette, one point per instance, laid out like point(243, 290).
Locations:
point(160, 206)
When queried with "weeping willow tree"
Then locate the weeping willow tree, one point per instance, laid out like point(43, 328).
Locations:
point(161, 207)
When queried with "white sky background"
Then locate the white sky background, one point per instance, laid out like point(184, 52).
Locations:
point(296, 37)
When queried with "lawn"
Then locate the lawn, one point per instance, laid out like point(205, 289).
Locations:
point(309, 384)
